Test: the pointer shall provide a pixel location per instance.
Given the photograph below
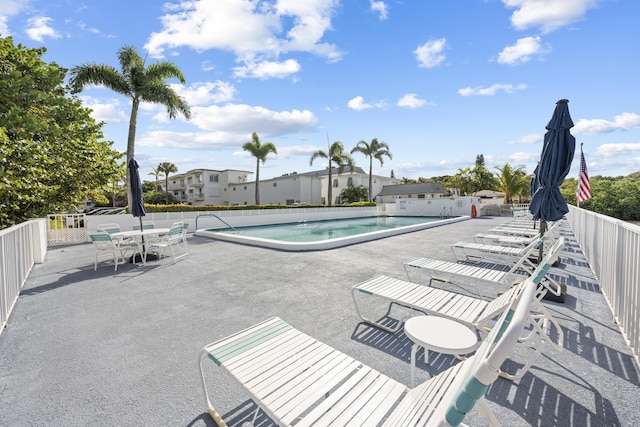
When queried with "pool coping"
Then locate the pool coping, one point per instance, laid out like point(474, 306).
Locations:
point(328, 243)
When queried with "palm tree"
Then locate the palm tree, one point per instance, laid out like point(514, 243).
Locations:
point(165, 168)
point(336, 154)
point(374, 150)
point(260, 151)
point(137, 82)
point(512, 181)
point(156, 172)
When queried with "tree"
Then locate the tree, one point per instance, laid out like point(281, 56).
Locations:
point(353, 194)
point(52, 156)
point(165, 168)
point(335, 155)
point(138, 83)
point(512, 181)
point(374, 150)
point(260, 151)
point(156, 173)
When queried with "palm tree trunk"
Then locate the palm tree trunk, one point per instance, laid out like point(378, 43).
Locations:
point(166, 188)
point(131, 141)
point(257, 181)
point(370, 176)
point(330, 186)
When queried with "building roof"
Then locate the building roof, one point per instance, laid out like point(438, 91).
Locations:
point(334, 171)
point(419, 188)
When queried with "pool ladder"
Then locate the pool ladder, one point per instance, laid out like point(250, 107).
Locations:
point(446, 214)
point(235, 230)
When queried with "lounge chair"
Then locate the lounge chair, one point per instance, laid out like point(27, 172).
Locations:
point(448, 271)
point(298, 380)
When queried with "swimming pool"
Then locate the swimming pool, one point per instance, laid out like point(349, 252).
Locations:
point(326, 234)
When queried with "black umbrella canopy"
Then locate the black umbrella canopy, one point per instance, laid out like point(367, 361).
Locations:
point(137, 203)
point(547, 203)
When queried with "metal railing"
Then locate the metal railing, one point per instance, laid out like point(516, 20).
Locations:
point(21, 246)
point(612, 248)
point(216, 216)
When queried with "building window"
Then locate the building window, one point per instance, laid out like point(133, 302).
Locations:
point(213, 177)
point(275, 184)
point(189, 180)
point(421, 196)
point(245, 187)
point(349, 182)
point(335, 183)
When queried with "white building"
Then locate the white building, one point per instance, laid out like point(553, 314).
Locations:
point(200, 187)
point(421, 190)
point(205, 187)
point(307, 187)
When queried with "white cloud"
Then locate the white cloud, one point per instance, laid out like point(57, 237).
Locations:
point(410, 100)
point(521, 52)
point(430, 54)
point(268, 69)
point(491, 90)
point(623, 121)
point(205, 93)
point(358, 104)
point(192, 140)
point(613, 150)
point(9, 8)
point(106, 110)
point(252, 30)
point(380, 8)
point(243, 119)
point(548, 15)
point(38, 29)
point(532, 138)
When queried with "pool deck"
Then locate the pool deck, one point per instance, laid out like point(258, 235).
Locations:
point(105, 348)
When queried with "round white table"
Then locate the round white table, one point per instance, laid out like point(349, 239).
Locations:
point(438, 334)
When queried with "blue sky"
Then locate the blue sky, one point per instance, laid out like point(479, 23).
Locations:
point(440, 82)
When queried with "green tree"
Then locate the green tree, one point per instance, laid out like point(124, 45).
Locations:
point(165, 168)
point(259, 150)
point(374, 150)
point(353, 194)
point(52, 156)
point(335, 155)
point(512, 181)
point(138, 83)
point(463, 181)
point(483, 179)
point(155, 172)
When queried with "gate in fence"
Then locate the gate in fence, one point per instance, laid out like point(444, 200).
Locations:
point(65, 229)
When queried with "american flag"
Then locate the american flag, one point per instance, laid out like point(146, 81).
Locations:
point(584, 186)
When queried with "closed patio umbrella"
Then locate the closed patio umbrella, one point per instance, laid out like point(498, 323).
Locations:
point(547, 203)
point(137, 203)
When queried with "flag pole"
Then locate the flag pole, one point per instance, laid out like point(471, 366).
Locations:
point(578, 189)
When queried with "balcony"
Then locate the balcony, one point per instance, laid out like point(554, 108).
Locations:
point(119, 348)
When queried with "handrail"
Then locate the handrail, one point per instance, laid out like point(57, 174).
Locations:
point(442, 212)
point(235, 230)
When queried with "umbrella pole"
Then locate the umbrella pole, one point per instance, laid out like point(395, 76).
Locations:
point(543, 229)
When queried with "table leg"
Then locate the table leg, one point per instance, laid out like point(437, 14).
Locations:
point(414, 349)
point(426, 355)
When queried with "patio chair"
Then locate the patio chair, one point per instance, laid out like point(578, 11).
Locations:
point(146, 225)
point(493, 238)
point(173, 241)
point(111, 249)
point(298, 380)
point(109, 228)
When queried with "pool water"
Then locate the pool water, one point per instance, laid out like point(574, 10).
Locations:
point(313, 231)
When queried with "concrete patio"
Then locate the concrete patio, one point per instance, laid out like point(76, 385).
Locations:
point(105, 348)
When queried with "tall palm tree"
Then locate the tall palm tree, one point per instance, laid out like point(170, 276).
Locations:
point(335, 155)
point(165, 168)
point(512, 181)
point(156, 172)
point(137, 82)
point(260, 151)
point(374, 150)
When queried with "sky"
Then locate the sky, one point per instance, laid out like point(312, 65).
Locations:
point(439, 81)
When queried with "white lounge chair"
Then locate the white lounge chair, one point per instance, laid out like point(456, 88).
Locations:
point(448, 271)
point(298, 380)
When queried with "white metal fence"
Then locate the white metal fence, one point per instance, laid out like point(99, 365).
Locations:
point(612, 248)
point(20, 247)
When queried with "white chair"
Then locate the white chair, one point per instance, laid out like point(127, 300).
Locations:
point(146, 225)
point(298, 380)
point(111, 249)
point(109, 228)
point(173, 240)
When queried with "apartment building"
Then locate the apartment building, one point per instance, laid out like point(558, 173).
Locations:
point(200, 187)
point(422, 190)
point(203, 187)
